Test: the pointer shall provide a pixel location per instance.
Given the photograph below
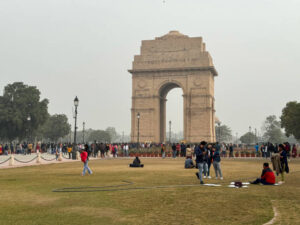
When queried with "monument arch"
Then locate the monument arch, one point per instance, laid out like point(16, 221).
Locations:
point(173, 61)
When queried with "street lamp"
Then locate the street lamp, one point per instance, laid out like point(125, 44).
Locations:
point(28, 133)
point(219, 128)
point(76, 103)
point(138, 134)
point(170, 124)
point(83, 126)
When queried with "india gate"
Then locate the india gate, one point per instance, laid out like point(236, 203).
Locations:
point(173, 61)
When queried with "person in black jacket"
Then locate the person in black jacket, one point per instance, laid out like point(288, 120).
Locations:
point(174, 150)
point(136, 163)
point(200, 154)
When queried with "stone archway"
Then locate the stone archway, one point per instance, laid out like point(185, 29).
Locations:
point(173, 60)
point(162, 93)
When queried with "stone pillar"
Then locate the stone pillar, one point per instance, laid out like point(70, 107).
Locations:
point(12, 160)
point(38, 159)
point(60, 157)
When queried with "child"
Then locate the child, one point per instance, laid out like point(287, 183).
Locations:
point(85, 159)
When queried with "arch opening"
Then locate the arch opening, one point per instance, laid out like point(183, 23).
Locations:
point(171, 109)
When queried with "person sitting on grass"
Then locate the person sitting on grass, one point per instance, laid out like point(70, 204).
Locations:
point(189, 163)
point(267, 176)
point(136, 163)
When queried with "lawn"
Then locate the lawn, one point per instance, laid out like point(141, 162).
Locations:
point(27, 197)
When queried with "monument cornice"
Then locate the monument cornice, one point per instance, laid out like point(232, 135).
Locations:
point(182, 69)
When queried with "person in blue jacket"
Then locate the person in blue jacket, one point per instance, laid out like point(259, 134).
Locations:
point(216, 163)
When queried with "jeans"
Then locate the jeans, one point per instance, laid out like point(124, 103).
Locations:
point(205, 169)
point(217, 168)
point(174, 153)
point(86, 167)
point(200, 167)
point(258, 180)
point(208, 168)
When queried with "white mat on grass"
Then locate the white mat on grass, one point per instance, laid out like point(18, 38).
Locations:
point(232, 186)
point(213, 185)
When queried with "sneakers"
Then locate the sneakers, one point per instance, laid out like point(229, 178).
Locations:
point(201, 182)
point(221, 178)
point(217, 178)
point(204, 176)
point(209, 177)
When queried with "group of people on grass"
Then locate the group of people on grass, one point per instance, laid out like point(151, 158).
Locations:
point(280, 165)
point(206, 155)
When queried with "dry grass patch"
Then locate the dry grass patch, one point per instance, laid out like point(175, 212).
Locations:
point(27, 197)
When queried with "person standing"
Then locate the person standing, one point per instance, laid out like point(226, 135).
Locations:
point(200, 153)
point(256, 149)
point(207, 161)
point(69, 149)
point(294, 151)
point(283, 161)
point(174, 150)
point(216, 163)
point(178, 150)
point(85, 159)
point(223, 149)
point(163, 150)
point(231, 150)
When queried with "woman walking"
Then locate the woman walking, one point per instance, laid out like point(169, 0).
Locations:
point(85, 159)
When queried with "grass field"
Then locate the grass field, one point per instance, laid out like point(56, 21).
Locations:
point(27, 198)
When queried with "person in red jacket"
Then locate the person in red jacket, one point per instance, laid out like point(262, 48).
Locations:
point(267, 176)
point(85, 159)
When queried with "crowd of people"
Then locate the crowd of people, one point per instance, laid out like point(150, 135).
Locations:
point(116, 149)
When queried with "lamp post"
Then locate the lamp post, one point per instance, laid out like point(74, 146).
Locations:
point(83, 126)
point(170, 125)
point(76, 103)
point(138, 134)
point(219, 128)
point(28, 133)
point(255, 135)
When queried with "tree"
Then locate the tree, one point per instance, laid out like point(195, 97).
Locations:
point(21, 111)
point(272, 130)
point(56, 127)
point(99, 136)
point(223, 133)
point(248, 138)
point(290, 119)
point(114, 136)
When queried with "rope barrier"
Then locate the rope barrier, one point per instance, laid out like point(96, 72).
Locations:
point(47, 159)
point(20, 161)
point(5, 160)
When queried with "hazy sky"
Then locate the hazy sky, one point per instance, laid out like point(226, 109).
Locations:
point(84, 47)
